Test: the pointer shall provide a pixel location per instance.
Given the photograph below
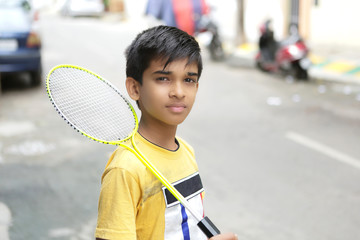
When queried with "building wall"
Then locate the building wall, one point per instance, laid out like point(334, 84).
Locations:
point(335, 22)
point(332, 22)
point(257, 11)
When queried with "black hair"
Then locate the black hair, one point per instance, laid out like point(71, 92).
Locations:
point(160, 42)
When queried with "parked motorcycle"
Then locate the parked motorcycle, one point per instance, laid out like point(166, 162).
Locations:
point(289, 57)
point(193, 17)
point(208, 33)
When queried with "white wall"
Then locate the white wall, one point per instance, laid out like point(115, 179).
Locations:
point(224, 14)
point(257, 11)
point(135, 9)
point(336, 22)
point(332, 22)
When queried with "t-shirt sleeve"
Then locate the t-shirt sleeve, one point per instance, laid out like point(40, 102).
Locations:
point(118, 203)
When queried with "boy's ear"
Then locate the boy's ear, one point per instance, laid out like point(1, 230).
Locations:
point(133, 88)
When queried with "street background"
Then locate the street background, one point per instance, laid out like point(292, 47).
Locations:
point(279, 158)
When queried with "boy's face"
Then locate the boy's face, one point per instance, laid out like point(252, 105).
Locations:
point(167, 95)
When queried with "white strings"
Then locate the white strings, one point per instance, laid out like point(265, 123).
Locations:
point(90, 104)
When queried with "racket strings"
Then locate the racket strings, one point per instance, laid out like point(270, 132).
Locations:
point(91, 105)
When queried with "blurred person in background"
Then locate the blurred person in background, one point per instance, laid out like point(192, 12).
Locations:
point(183, 14)
point(191, 16)
point(267, 43)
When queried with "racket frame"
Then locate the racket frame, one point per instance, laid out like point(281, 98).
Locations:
point(76, 127)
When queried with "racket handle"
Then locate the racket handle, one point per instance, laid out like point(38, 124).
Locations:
point(208, 227)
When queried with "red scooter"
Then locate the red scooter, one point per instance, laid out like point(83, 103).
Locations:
point(288, 57)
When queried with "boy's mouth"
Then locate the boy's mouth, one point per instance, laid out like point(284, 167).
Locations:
point(177, 108)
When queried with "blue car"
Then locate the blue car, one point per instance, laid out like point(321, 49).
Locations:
point(20, 44)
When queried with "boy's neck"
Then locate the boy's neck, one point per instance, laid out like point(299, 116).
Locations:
point(161, 135)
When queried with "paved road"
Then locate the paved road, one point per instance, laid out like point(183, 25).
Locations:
point(279, 159)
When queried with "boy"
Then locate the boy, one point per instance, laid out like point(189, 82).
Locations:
point(163, 70)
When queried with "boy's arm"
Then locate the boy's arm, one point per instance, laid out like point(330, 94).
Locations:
point(119, 197)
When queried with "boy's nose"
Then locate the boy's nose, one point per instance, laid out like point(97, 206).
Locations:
point(177, 90)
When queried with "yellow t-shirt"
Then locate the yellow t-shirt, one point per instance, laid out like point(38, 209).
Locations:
point(133, 204)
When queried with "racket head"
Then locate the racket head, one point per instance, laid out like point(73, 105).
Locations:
point(91, 105)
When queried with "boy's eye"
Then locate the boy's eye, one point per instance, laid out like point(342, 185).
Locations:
point(190, 80)
point(162, 79)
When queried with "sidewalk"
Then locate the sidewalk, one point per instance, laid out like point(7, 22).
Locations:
point(339, 65)
point(5, 221)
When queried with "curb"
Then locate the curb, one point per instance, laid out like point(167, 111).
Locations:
point(326, 69)
point(5, 221)
point(242, 56)
point(343, 71)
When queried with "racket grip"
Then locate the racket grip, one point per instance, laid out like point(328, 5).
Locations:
point(208, 227)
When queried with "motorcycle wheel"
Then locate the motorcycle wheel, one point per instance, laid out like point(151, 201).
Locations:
point(296, 71)
point(216, 50)
point(36, 77)
point(261, 67)
point(300, 73)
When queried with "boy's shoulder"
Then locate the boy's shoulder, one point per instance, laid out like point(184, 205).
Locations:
point(186, 145)
point(124, 159)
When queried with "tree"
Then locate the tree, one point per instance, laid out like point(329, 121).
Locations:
point(240, 31)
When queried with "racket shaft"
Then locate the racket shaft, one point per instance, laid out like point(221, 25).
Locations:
point(165, 182)
point(205, 224)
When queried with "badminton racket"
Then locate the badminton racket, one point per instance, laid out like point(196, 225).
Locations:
point(96, 109)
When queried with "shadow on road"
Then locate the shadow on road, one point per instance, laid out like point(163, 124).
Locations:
point(15, 82)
